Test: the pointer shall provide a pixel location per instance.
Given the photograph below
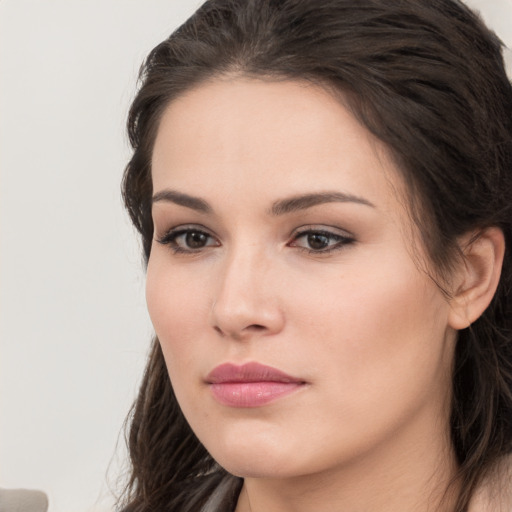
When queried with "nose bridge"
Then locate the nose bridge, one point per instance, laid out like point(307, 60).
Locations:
point(247, 297)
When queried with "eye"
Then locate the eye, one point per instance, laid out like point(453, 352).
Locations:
point(319, 240)
point(186, 239)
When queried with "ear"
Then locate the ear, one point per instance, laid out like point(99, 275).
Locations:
point(478, 276)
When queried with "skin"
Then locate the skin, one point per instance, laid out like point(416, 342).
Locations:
point(362, 324)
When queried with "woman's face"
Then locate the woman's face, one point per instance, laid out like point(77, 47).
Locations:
point(299, 331)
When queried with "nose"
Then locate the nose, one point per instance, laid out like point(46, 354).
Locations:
point(247, 302)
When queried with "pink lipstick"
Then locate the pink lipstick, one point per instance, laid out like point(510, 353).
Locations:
point(250, 385)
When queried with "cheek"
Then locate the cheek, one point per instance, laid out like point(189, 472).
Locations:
point(380, 328)
point(175, 305)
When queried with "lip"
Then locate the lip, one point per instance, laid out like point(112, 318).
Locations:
point(250, 385)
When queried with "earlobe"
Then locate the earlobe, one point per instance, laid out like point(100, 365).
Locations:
point(480, 273)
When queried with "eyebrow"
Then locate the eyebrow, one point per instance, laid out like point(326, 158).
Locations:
point(304, 201)
point(172, 196)
point(280, 207)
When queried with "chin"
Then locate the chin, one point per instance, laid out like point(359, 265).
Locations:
point(252, 458)
point(246, 468)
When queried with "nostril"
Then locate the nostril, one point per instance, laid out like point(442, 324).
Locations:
point(255, 327)
point(249, 328)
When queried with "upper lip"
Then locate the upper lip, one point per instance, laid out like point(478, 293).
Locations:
point(249, 372)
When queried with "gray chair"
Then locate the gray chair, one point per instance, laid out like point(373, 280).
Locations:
point(23, 500)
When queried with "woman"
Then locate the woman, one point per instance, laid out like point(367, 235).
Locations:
point(323, 194)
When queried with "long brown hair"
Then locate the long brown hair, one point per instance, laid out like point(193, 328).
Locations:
point(428, 79)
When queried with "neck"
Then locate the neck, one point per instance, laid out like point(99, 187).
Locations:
point(408, 473)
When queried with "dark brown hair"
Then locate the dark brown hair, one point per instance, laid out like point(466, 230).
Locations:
point(427, 78)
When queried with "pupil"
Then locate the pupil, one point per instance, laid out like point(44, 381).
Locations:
point(196, 240)
point(317, 241)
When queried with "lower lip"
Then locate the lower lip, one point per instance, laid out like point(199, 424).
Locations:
point(252, 394)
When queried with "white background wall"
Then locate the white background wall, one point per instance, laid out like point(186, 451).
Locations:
point(73, 327)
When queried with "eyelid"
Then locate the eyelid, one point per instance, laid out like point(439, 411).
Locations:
point(321, 228)
point(181, 227)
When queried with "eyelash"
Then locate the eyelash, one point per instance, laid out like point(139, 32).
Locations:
point(171, 237)
point(340, 241)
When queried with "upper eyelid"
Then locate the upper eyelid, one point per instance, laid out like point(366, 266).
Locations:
point(322, 228)
point(186, 227)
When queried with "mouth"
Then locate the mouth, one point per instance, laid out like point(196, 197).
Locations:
point(250, 385)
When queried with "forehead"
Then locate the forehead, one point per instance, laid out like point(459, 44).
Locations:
point(266, 137)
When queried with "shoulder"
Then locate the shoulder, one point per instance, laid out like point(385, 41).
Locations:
point(495, 492)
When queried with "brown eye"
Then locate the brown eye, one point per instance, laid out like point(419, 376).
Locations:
point(188, 240)
point(317, 241)
point(196, 239)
